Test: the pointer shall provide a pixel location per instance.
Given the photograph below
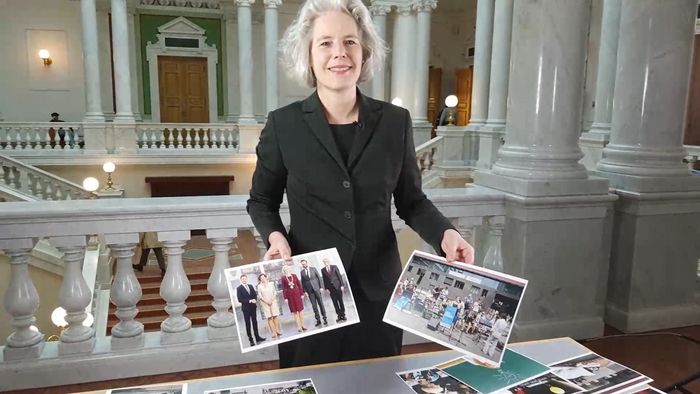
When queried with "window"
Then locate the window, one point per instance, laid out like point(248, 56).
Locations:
point(421, 271)
point(459, 284)
point(434, 276)
point(410, 268)
point(181, 42)
point(448, 281)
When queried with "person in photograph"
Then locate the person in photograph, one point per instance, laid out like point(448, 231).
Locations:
point(312, 284)
point(333, 283)
point(499, 331)
point(342, 157)
point(267, 297)
point(292, 292)
point(247, 296)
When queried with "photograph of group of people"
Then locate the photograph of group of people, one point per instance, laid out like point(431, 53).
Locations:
point(277, 301)
point(303, 386)
point(433, 380)
point(466, 308)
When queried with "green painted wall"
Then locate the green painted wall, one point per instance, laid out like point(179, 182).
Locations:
point(149, 29)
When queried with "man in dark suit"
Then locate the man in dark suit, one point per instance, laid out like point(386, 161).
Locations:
point(247, 296)
point(311, 282)
point(333, 282)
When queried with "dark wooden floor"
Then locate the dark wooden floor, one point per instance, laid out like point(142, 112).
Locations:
point(667, 357)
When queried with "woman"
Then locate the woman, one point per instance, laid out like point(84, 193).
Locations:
point(292, 292)
point(341, 157)
point(267, 297)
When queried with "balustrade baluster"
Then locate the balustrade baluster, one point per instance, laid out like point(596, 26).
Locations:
point(175, 289)
point(172, 139)
point(125, 292)
point(36, 143)
point(206, 138)
point(493, 258)
point(178, 133)
point(6, 175)
point(197, 139)
point(21, 301)
point(50, 144)
point(23, 180)
point(188, 138)
point(214, 140)
point(48, 190)
point(229, 139)
point(74, 296)
point(58, 192)
point(220, 324)
point(11, 137)
point(143, 141)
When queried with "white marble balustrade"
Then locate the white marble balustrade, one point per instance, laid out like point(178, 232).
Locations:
point(27, 137)
point(35, 183)
point(206, 136)
point(129, 350)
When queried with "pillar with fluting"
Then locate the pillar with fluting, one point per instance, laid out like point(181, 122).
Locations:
point(594, 140)
point(652, 281)
point(230, 30)
point(245, 63)
point(379, 12)
point(120, 58)
point(500, 65)
point(422, 58)
point(134, 50)
point(271, 39)
point(482, 63)
point(93, 99)
point(403, 59)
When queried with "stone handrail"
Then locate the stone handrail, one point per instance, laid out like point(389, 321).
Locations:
point(427, 154)
point(27, 361)
point(36, 182)
point(166, 137)
point(36, 137)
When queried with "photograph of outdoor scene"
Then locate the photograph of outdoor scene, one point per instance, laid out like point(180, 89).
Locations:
point(167, 388)
point(464, 307)
point(304, 386)
point(278, 301)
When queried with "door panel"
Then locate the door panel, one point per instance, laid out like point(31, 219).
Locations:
point(183, 89)
point(464, 95)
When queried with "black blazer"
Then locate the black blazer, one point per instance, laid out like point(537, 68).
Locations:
point(346, 206)
point(312, 282)
point(244, 297)
point(332, 280)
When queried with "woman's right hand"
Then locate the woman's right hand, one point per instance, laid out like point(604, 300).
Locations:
point(279, 247)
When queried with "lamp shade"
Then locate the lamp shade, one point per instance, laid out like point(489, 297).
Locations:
point(44, 54)
point(451, 101)
point(58, 317)
point(108, 167)
point(397, 102)
point(91, 184)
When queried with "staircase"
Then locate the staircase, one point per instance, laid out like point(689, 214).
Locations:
point(152, 307)
point(24, 182)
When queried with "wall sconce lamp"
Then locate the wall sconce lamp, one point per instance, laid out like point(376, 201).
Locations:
point(46, 57)
point(451, 102)
point(109, 168)
point(397, 101)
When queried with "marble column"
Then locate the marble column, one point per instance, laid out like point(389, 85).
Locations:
point(482, 63)
point(403, 57)
point(245, 62)
point(653, 266)
point(91, 63)
point(379, 12)
point(271, 56)
point(230, 30)
point(500, 65)
point(120, 57)
point(134, 50)
point(422, 58)
point(594, 140)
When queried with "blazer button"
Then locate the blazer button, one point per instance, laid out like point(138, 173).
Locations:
point(348, 215)
point(346, 184)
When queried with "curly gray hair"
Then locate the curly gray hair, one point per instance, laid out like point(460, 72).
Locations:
point(296, 43)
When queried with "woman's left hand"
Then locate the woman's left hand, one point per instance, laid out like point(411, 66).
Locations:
point(456, 248)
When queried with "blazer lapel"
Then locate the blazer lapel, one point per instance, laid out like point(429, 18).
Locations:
point(316, 119)
point(370, 113)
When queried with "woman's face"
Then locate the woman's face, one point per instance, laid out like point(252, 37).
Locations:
point(336, 53)
point(263, 279)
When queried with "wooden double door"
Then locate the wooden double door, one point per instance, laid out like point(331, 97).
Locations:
point(183, 89)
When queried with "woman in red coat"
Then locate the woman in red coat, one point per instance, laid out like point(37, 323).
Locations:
point(292, 291)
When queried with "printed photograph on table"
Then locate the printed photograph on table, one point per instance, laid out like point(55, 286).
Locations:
point(302, 386)
point(167, 388)
point(515, 369)
point(597, 374)
point(433, 380)
point(464, 307)
point(545, 384)
point(647, 390)
point(276, 301)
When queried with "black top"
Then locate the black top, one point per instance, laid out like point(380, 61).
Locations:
point(344, 135)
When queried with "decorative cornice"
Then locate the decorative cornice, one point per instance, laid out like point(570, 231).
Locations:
point(205, 4)
point(404, 9)
point(272, 3)
point(244, 3)
point(379, 9)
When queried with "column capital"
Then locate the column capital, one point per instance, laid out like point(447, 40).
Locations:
point(424, 5)
point(272, 3)
point(244, 3)
point(379, 9)
point(404, 9)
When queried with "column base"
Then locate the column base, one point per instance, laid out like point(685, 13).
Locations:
point(247, 120)
point(230, 118)
point(94, 118)
point(651, 319)
point(534, 188)
point(134, 342)
point(170, 338)
point(585, 327)
point(66, 348)
point(124, 118)
point(649, 184)
point(592, 144)
point(490, 140)
point(23, 353)
point(214, 333)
